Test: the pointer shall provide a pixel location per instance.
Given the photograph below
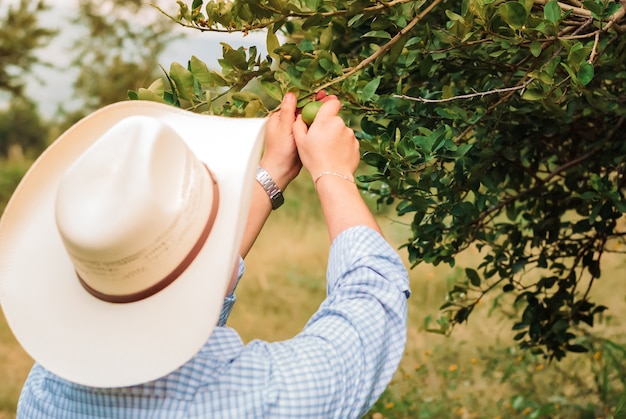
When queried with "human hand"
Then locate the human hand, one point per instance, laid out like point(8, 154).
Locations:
point(280, 157)
point(328, 145)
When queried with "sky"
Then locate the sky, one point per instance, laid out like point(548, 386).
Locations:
point(50, 87)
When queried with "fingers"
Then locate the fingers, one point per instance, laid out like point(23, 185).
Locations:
point(330, 108)
point(299, 129)
point(280, 156)
point(288, 115)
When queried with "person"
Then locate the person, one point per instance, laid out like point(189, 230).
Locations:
point(336, 367)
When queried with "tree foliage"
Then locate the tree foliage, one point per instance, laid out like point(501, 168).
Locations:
point(489, 123)
point(20, 36)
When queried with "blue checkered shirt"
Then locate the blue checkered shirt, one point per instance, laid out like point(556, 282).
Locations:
point(337, 367)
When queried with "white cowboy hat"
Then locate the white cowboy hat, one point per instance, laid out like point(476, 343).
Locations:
point(117, 247)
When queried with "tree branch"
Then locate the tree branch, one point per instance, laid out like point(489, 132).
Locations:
point(383, 49)
point(466, 96)
point(578, 11)
point(594, 50)
point(282, 16)
point(552, 175)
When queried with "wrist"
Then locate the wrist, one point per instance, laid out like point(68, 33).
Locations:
point(272, 190)
point(347, 177)
point(331, 184)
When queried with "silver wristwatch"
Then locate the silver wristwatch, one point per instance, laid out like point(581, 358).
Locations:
point(273, 191)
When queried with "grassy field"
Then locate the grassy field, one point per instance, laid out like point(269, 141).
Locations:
point(477, 372)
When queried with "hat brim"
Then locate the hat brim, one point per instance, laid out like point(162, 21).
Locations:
point(100, 344)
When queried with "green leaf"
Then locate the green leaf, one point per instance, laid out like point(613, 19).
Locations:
point(535, 48)
point(465, 7)
point(612, 8)
point(552, 11)
point(377, 34)
point(272, 44)
point(326, 38)
point(577, 348)
point(272, 89)
point(585, 73)
point(354, 19)
point(545, 78)
point(183, 79)
point(406, 148)
point(519, 335)
point(396, 50)
point(157, 87)
point(171, 98)
point(473, 277)
point(330, 66)
point(370, 89)
point(569, 70)
point(453, 16)
point(204, 76)
point(514, 14)
point(246, 96)
point(199, 70)
point(312, 21)
point(413, 42)
point(462, 314)
point(577, 55)
point(234, 57)
point(532, 94)
point(145, 94)
point(508, 288)
point(594, 7)
point(374, 159)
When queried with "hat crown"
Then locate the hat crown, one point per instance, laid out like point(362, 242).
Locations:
point(132, 207)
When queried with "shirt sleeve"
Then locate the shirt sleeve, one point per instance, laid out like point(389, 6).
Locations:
point(231, 298)
point(348, 352)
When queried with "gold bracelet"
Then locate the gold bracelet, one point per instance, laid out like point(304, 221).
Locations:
point(348, 178)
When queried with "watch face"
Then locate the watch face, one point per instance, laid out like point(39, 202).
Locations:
point(277, 200)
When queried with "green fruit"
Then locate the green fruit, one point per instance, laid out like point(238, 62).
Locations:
point(310, 111)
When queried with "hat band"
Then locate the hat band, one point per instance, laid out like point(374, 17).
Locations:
point(172, 276)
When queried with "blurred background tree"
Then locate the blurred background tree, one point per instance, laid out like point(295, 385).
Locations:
point(497, 125)
point(118, 50)
point(110, 54)
point(21, 35)
point(22, 131)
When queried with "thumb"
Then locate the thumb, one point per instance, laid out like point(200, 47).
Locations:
point(288, 107)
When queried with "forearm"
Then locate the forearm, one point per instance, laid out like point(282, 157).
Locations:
point(343, 205)
point(261, 206)
point(260, 210)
